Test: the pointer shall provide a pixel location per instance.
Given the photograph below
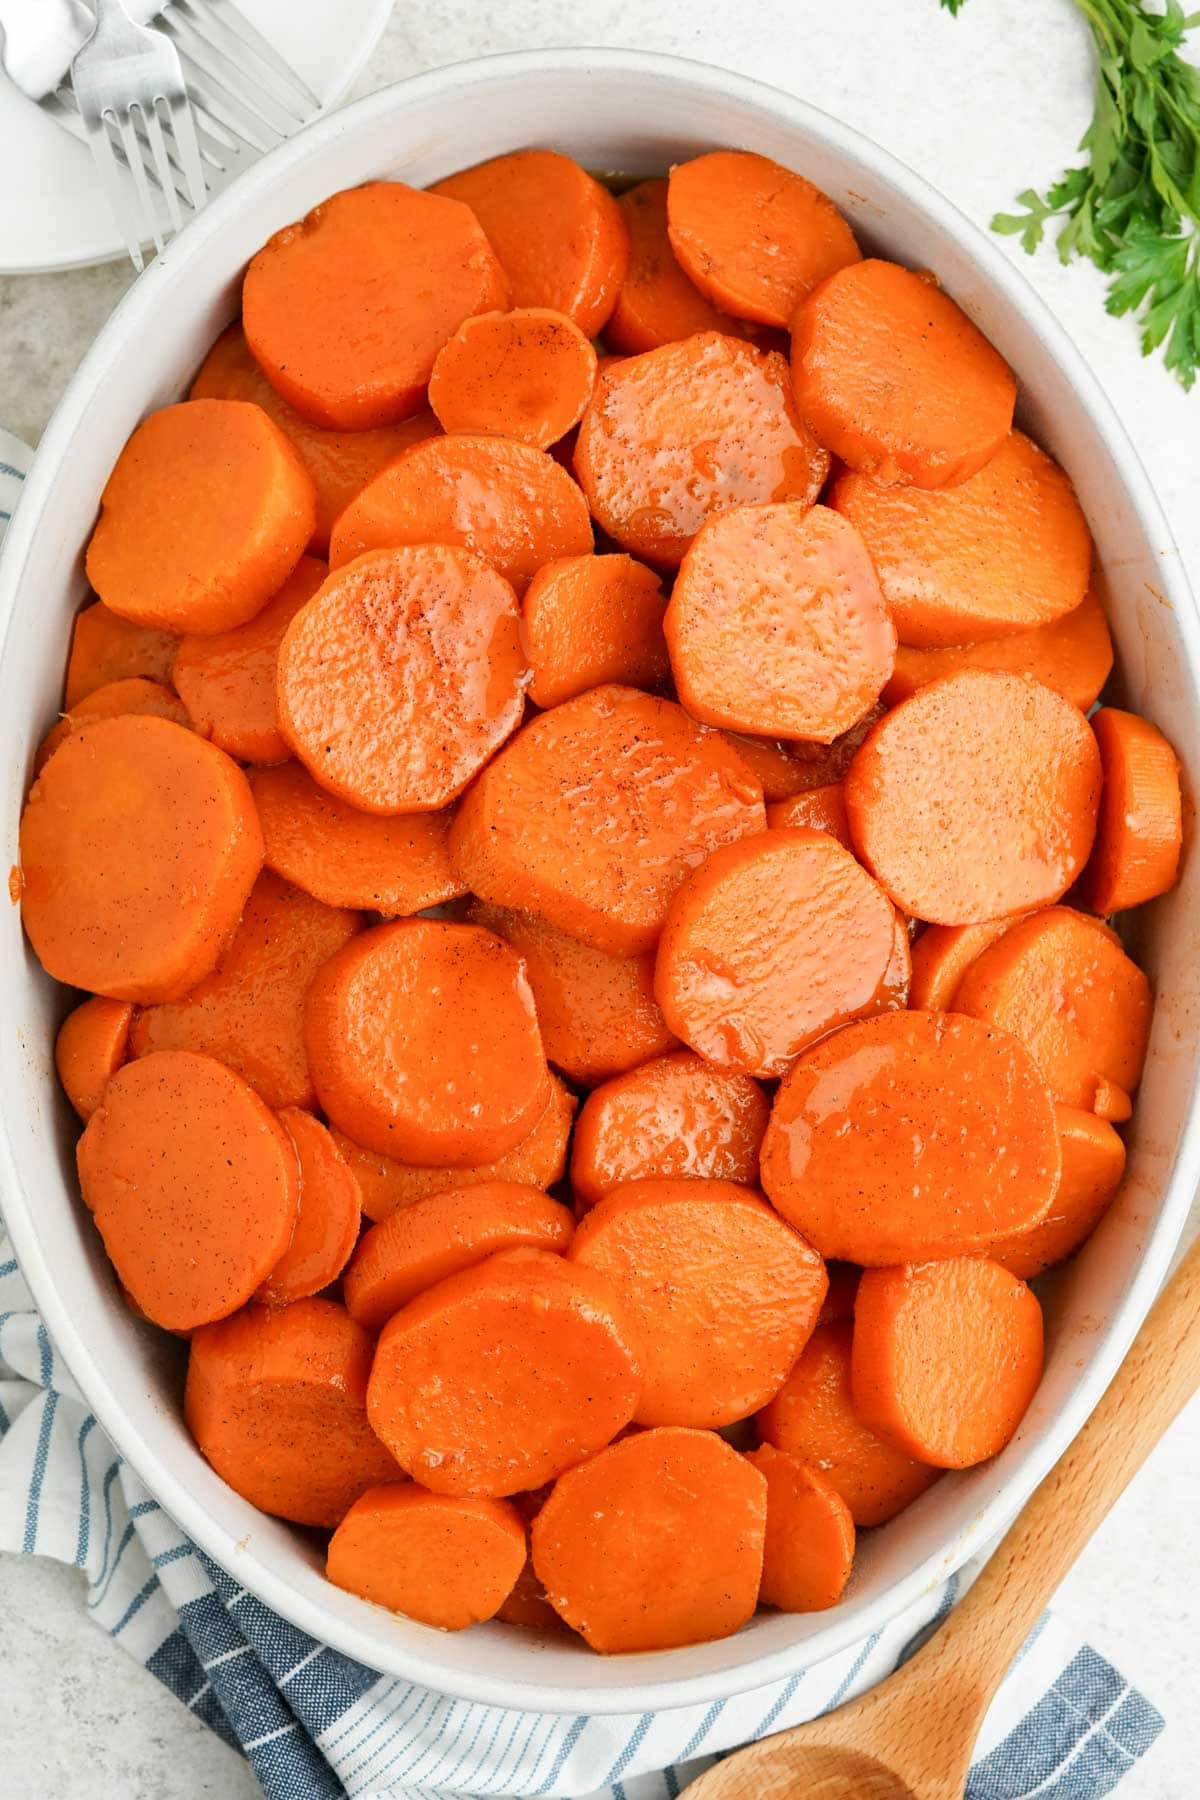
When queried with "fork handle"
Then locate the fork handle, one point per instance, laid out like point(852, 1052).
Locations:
point(1152, 1386)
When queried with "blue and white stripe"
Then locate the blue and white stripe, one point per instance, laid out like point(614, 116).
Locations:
point(316, 1726)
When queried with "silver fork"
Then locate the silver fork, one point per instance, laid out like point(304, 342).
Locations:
point(128, 76)
point(245, 96)
point(235, 75)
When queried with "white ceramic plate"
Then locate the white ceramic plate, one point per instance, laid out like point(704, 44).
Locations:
point(632, 113)
point(53, 214)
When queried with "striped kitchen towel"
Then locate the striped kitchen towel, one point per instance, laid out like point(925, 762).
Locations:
point(313, 1724)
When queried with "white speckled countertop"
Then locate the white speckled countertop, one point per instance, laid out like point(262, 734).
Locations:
point(981, 107)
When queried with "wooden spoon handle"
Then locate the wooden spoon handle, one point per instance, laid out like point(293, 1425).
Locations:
point(1153, 1384)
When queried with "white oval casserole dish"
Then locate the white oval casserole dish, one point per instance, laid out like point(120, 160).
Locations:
point(628, 113)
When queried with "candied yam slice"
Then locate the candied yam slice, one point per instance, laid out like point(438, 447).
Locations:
point(892, 992)
point(597, 810)
point(818, 809)
point(420, 1245)
point(675, 1116)
point(654, 1543)
point(423, 1041)
point(107, 648)
point(597, 1012)
point(1139, 837)
point(657, 303)
point(558, 233)
point(724, 1294)
point(345, 310)
point(682, 433)
point(527, 1605)
point(754, 237)
point(911, 1135)
point(941, 957)
point(539, 1160)
point(439, 1558)
point(249, 1012)
point(401, 677)
point(810, 1535)
point(777, 625)
point(394, 863)
point(205, 515)
point(92, 1044)
point(116, 700)
point(1111, 1102)
point(768, 945)
point(1001, 555)
point(1073, 655)
point(1093, 1162)
point(227, 681)
point(340, 462)
point(976, 798)
point(139, 846)
point(947, 1357)
point(193, 1185)
point(893, 377)
point(1062, 983)
point(328, 1221)
point(525, 374)
point(589, 620)
point(276, 1400)
point(813, 1418)
point(510, 504)
point(505, 1374)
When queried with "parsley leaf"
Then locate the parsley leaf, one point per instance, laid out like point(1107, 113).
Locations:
point(1133, 207)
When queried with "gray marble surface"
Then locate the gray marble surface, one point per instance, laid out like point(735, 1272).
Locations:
point(980, 106)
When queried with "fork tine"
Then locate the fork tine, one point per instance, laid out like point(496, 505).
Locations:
point(220, 152)
point(206, 39)
point(162, 162)
point(118, 197)
point(214, 141)
point(235, 22)
point(122, 75)
point(211, 134)
point(183, 130)
point(234, 77)
point(133, 156)
point(228, 110)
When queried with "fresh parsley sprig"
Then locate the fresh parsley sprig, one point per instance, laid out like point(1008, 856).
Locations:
point(1133, 208)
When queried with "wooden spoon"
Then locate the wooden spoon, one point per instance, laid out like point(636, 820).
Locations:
point(911, 1738)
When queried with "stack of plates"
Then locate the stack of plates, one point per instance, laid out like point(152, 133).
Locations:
point(53, 214)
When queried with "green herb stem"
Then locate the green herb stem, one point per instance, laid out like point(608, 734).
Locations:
point(1133, 207)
